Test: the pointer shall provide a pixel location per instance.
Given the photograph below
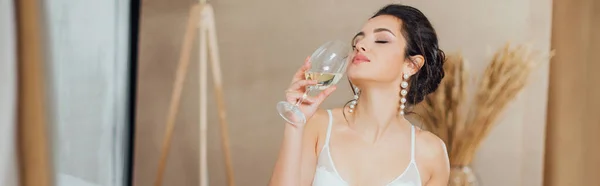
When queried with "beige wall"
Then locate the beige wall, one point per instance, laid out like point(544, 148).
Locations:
point(9, 174)
point(262, 43)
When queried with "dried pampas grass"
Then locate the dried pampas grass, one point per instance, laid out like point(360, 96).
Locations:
point(442, 109)
point(463, 126)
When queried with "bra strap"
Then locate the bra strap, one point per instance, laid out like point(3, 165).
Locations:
point(412, 144)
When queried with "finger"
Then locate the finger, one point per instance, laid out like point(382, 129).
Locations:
point(304, 68)
point(307, 61)
point(324, 94)
point(293, 97)
point(300, 73)
point(300, 84)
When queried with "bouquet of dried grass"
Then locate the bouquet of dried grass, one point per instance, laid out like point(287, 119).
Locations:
point(463, 126)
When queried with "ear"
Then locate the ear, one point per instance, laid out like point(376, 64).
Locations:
point(413, 64)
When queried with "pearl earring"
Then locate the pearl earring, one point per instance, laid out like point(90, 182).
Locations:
point(403, 93)
point(354, 100)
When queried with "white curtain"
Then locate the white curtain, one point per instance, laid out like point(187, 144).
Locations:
point(87, 81)
point(8, 89)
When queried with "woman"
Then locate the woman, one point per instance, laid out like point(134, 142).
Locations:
point(396, 62)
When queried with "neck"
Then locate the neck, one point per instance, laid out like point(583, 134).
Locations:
point(376, 110)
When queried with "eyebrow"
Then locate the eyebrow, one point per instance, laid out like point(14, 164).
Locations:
point(374, 31)
point(384, 30)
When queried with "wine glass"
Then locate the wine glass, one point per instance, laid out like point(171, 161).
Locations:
point(328, 64)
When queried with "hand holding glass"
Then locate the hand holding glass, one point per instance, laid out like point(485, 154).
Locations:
point(328, 64)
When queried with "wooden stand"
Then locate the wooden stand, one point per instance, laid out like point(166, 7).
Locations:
point(32, 134)
point(204, 15)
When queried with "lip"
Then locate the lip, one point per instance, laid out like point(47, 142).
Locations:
point(360, 58)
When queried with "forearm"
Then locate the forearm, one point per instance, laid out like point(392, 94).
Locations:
point(288, 166)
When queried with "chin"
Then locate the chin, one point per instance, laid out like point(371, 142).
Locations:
point(359, 78)
point(354, 74)
point(362, 73)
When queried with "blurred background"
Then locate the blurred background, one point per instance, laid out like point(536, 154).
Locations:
point(86, 86)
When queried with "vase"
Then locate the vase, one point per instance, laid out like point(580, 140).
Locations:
point(462, 176)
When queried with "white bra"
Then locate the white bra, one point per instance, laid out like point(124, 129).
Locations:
point(327, 175)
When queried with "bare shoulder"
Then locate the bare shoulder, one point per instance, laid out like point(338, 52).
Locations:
point(316, 128)
point(431, 149)
point(318, 121)
point(431, 154)
point(429, 145)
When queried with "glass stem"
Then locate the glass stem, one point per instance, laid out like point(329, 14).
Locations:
point(308, 89)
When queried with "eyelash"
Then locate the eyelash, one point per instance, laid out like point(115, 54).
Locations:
point(379, 42)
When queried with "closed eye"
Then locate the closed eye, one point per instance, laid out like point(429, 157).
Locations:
point(381, 41)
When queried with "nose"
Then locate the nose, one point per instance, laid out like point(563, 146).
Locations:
point(360, 47)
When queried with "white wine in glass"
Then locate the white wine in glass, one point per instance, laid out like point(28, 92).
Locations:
point(324, 79)
point(328, 64)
